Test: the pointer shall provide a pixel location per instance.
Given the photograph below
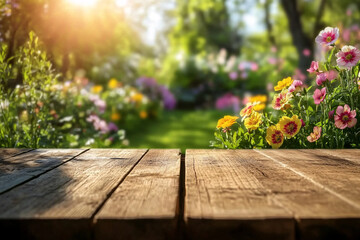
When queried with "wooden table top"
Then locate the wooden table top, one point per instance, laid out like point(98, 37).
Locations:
point(159, 194)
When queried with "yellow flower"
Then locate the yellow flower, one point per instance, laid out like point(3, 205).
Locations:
point(254, 121)
point(259, 107)
point(247, 110)
point(258, 98)
point(137, 97)
point(226, 121)
point(290, 126)
point(274, 136)
point(143, 114)
point(115, 116)
point(286, 82)
point(113, 83)
point(96, 89)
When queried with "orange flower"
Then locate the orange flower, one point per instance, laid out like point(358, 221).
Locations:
point(115, 116)
point(226, 122)
point(315, 135)
point(143, 114)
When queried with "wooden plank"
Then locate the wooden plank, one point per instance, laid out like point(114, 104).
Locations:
point(21, 168)
point(225, 201)
point(345, 154)
point(336, 213)
point(236, 193)
point(60, 204)
point(145, 205)
point(10, 152)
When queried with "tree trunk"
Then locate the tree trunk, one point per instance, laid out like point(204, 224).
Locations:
point(300, 39)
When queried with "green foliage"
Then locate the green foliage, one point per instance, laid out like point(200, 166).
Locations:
point(24, 112)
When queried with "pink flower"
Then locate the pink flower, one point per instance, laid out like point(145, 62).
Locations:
point(315, 135)
point(331, 114)
point(328, 36)
point(299, 75)
point(331, 75)
point(348, 56)
point(319, 95)
point(306, 52)
point(314, 67)
point(321, 78)
point(244, 75)
point(346, 35)
point(233, 75)
point(228, 101)
point(345, 117)
point(254, 67)
point(296, 86)
point(272, 60)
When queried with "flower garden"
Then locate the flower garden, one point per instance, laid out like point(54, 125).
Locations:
point(328, 120)
point(101, 79)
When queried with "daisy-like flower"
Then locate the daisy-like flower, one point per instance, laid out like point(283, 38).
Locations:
point(348, 56)
point(254, 121)
point(281, 100)
point(286, 82)
point(345, 117)
point(315, 135)
point(319, 95)
point(314, 67)
point(290, 126)
point(226, 122)
point(274, 136)
point(296, 86)
point(247, 110)
point(328, 36)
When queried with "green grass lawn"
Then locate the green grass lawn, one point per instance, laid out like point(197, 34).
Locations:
point(176, 129)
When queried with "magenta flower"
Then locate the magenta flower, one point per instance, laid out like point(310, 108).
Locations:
point(321, 78)
point(331, 114)
point(302, 123)
point(296, 86)
point(328, 36)
point(345, 117)
point(348, 56)
point(112, 127)
point(306, 52)
point(314, 67)
point(319, 95)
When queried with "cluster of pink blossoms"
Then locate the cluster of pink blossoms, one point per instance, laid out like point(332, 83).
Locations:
point(347, 57)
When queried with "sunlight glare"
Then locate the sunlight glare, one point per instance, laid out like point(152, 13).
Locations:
point(83, 3)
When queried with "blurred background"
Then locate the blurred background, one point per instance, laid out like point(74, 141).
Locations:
point(153, 73)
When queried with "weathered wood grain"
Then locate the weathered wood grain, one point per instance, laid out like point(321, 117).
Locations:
point(335, 212)
point(144, 206)
point(60, 204)
point(21, 168)
point(10, 152)
point(345, 154)
point(225, 201)
point(216, 178)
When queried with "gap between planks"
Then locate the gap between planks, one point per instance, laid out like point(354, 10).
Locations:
point(93, 219)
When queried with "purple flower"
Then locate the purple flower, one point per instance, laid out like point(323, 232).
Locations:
point(233, 75)
point(112, 127)
point(168, 98)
